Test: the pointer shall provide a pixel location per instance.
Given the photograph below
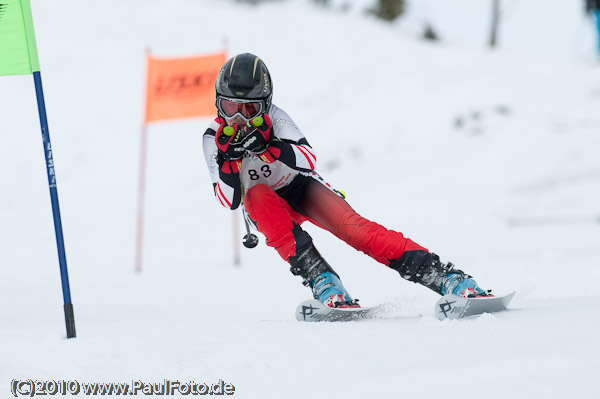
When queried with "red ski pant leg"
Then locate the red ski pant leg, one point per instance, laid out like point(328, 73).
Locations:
point(326, 209)
point(274, 218)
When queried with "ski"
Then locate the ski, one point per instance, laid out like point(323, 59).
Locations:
point(313, 310)
point(456, 307)
point(448, 307)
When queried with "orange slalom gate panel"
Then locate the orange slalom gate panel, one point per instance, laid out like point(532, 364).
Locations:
point(182, 87)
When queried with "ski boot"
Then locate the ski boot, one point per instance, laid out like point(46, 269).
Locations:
point(328, 289)
point(463, 285)
point(426, 269)
point(321, 278)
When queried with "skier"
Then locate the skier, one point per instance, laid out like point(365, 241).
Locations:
point(259, 159)
point(593, 8)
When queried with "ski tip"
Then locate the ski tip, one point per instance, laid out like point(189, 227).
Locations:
point(456, 307)
point(450, 307)
point(311, 310)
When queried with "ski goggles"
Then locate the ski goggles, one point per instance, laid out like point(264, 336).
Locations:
point(247, 109)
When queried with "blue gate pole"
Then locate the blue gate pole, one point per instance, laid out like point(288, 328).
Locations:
point(62, 259)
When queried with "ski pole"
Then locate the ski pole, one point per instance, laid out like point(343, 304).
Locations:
point(251, 240)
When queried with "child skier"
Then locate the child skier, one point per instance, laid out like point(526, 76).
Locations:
point(258, 158)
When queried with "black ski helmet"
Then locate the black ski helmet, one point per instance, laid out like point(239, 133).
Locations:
point(244, 77)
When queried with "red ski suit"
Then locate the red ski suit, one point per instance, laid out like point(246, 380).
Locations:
point(279, 196)
point(275, 218)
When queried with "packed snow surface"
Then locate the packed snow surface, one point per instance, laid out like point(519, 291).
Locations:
point(488, 158)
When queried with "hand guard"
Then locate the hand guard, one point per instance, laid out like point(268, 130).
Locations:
point(229, 142)
point(259, 134)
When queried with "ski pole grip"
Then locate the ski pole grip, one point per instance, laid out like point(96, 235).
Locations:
point(257, 121)
point(228, 131)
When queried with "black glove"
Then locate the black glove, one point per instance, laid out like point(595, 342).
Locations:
point(258, 134)
point(229, 142)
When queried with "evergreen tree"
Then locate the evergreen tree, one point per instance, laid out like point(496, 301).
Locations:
point(389, 10)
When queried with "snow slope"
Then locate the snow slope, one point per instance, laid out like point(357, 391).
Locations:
point(489, 159)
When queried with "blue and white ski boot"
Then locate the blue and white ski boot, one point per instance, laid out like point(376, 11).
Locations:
point(320, 277)
point(329, 290)
point(463, 285)
point(425, 268)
